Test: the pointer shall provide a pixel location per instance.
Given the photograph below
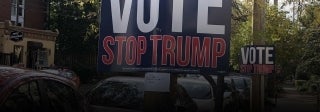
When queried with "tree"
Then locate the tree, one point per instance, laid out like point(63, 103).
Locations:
point(241, 33)
point(280, 31)
point(284, 34)
point(77, 23)
point(310, 27)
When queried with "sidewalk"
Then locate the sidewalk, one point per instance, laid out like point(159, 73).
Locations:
point(292, 101)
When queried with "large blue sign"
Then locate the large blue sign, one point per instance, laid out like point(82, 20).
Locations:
point(181, 36)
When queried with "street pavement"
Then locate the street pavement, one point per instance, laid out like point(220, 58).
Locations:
point(293, 101)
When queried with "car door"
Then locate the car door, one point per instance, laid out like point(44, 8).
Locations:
point(62, 98)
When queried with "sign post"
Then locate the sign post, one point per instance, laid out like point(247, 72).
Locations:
point(158, 92)
point(257, 86)
point(258, 60)
point(219, 93)
point(167, 36)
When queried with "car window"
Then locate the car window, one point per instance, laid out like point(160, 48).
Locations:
point(197, 90)
point(248, 82)
point(184, 100)
point(61, 97)
point(227, 87)
point(227, 81)
point(215, 79)
point(25, 98)
point(239, 83)
point(127, 95)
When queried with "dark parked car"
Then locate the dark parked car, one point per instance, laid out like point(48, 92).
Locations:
point(23, 90)
point(67, 73)
point(242, 85)
point(126, 94)
point(230, 95)
point(201, 92)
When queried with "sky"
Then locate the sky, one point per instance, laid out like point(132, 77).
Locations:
point(287, 8)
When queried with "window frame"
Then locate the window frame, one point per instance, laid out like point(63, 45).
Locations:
point(15, 7)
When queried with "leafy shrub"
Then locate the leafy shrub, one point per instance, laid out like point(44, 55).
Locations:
point(309, 86)
point(299, 83)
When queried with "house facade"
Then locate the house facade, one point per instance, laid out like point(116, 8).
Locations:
point(23, 35)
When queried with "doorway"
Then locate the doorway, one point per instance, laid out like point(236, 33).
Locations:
point(33, 49)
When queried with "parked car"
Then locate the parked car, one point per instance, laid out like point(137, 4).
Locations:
point(242, 85)
point(67, 73)
point(237, 91)
point(230, 95)
point(23, 90)
point(201, 92)
point(126, 94)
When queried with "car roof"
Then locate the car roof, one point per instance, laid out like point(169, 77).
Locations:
point(8, 74)
point(235, 77)
point(192, 80)
point(53, 71)
point(126, 78)
point(138, 79)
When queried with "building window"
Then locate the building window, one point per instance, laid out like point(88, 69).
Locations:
point(18, 54)
point(42, 60)
point(17, 12)
point(13, 8)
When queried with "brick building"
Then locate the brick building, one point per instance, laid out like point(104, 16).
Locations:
point(23, 35)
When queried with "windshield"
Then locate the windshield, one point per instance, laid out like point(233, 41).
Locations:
point(119, 94)
point(197, 90)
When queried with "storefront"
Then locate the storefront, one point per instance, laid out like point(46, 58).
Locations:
point(30, 47)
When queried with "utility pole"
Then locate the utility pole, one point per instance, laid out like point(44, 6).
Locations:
point(257, 92)
point(219, 93)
